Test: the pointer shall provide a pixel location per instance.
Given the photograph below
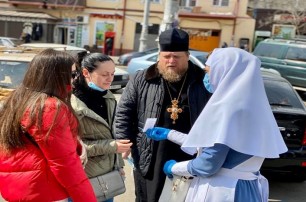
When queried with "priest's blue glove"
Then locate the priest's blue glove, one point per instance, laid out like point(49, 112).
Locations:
point(167, 168)
point(157, 133)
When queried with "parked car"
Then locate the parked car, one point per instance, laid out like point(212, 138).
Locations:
point(125, 58)
point(288, 57)
point(140, 63)
point(14, 62)
point(9, 41)
point(121, 76)
point(290, 114)
point(73, 50)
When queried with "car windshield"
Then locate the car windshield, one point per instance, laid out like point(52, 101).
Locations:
point(201, 58)
point(6, 43)
point(16, 41)
point(149, 51)
point(12, 73)
point(153, 58)
point(281, 94)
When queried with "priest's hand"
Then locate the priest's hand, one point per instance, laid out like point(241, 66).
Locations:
point(157, 133)
point(167, 168)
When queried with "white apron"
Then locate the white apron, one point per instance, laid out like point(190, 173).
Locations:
point(222, 185)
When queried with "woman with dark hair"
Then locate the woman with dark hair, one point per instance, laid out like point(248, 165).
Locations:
point(39, 148)
point(79, 58)
point(95, 106)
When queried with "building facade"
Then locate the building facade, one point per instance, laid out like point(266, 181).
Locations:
point(281, 18)
point(210, 23)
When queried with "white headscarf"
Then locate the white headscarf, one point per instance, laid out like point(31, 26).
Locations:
point(238, 114)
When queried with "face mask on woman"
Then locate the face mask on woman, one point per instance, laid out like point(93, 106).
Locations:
point(95, 87)
point(207, 83)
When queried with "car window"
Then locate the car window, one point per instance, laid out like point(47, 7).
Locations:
point(151, 51)
point(153, 58)
point(268, 50)
point(6, 43)
point(16, 41)
point(296, 53)
point(201, 58)
point(282, 94)
point(12, 73)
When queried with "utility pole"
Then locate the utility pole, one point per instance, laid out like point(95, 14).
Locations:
point(171, 9)
point(144, 31)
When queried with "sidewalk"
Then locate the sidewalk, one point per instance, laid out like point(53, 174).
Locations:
point(129, 195)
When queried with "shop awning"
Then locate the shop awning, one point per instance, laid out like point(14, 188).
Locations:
point(18, 16)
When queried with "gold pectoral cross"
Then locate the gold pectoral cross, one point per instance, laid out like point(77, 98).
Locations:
point(174, 110)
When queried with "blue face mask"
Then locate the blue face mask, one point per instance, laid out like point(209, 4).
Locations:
point(207, 83)
point(95, 87)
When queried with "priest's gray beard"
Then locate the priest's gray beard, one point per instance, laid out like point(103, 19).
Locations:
point(170, 75)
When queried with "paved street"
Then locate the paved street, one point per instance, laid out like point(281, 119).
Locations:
point(129, 195)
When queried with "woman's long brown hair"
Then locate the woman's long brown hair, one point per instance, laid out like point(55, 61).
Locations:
point(48, 75)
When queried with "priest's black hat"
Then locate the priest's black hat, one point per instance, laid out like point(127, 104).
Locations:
point(174, 40)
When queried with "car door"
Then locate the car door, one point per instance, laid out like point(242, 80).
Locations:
point(295, 63)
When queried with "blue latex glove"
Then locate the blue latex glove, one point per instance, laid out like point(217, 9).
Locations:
point(157, 133)
point(167, 168)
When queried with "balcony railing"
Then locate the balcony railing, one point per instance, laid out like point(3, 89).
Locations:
point(50, 3)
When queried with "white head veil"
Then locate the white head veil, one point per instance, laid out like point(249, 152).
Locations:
point(238, 114)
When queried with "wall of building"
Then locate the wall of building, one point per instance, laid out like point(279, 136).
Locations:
point(281, 12)
point(230, 21)
point(208, 7)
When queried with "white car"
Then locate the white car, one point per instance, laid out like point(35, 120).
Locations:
point(73, 50)
point(141, 63)
point(9, 41)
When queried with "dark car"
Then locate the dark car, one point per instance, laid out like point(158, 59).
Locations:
point(288, 57)
point(125, 58)
point(290, 113)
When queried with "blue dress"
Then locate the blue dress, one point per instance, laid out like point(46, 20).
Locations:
point(221, 166)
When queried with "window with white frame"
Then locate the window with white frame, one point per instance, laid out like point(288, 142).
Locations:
point(187, 2)
point(220, 2)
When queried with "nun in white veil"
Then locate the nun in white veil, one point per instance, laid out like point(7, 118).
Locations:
point(235, 132)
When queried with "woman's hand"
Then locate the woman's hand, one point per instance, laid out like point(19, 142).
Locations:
point(123, 145)
point(83, 155)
